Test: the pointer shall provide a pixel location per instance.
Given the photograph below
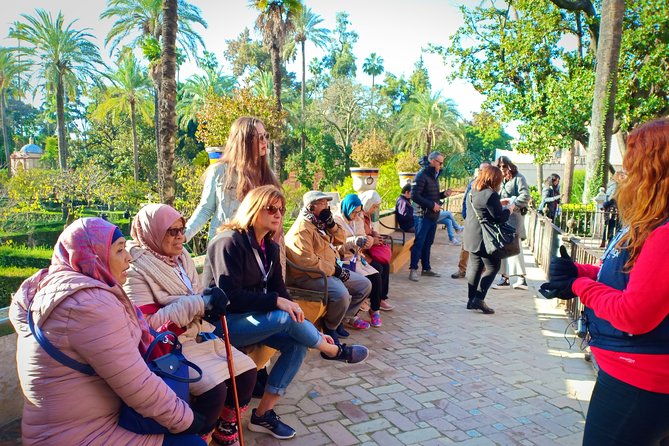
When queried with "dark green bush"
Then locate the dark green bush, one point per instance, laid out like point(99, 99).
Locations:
point(22, 257)
point(10, 280)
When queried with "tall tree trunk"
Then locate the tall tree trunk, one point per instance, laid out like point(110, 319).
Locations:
point(540, 174)
point(276, 74)
point(135, 149)
point(304, 71)
point(168, 97)
point(372, 91)
point(60, 123)
point(5, 139)
point(568, 176)
point(603, 104)
point(156, 77)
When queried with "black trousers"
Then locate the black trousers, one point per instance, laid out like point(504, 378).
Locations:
point(384, 271)
point(623, 415)
point(210, 403)
point(478, 282)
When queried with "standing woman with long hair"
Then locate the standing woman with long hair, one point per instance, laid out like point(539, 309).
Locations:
point(515, 196)
point(627, 302)
point(483, 202)
point(242, 167)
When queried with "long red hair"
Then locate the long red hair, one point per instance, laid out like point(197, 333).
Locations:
point(643, 196)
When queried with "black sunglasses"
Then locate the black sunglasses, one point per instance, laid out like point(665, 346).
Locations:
point(176, 231)
point(271, 210)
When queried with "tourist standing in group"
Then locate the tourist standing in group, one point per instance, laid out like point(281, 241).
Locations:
point(483, 202)
point(550, 196)
point(515, 197)
point(627, 302)
point(464, 254)
point(242, 167)
point(425, 193)
point(82, 311)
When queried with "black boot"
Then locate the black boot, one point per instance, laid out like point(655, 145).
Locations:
point(479, 304)
point(470, 306)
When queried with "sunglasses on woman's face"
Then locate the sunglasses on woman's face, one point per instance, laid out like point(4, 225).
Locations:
point(271, 210)
point(174, 232)
point(263, 136)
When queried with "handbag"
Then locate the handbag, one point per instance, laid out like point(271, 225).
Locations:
point(380, 253)
point(171, 367)
point(499, 239)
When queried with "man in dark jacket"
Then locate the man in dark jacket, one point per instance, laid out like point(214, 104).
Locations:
point(425, 193)
point(404, 210)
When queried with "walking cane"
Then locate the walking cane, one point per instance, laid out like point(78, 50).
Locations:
point(231, 369)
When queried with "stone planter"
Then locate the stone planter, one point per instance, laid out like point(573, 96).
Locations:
point(364, 178)
point(214, 153)
point(406, 177)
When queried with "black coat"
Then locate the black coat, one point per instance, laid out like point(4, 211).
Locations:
point(488, 207)
point(239, 275)
point(425, 192)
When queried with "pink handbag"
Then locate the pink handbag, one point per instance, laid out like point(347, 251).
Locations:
point(381, 253)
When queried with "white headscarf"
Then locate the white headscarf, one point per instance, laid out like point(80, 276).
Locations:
point(369, 198)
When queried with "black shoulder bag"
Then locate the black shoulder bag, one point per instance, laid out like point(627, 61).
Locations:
point(499, 239)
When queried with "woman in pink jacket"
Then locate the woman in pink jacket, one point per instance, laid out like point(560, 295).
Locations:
point(81, 309)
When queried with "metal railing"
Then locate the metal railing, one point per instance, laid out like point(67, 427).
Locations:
point(595, 228)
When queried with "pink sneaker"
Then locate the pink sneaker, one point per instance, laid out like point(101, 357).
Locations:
point(374, 319)
point(359, 324)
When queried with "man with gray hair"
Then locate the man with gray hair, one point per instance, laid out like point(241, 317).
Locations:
point(425, 193)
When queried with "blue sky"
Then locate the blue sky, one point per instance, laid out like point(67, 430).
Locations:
point(395, 29)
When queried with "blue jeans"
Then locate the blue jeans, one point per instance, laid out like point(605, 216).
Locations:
point(446, 218)
point(425, 230)
point(275, 329)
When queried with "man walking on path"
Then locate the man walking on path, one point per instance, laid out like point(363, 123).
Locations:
point(425, 193)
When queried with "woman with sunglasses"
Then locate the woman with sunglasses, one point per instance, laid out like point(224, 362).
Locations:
point(245, 261)
point(515, 196)
point(242, 167)
point(163, 283)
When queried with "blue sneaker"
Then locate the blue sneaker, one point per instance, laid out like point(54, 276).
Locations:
point(351, 355)
point(270, 424)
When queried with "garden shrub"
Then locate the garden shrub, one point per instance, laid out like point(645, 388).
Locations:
point(10, 280)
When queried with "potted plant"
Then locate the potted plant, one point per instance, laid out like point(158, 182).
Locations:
point(407, 166)
point(369, 154)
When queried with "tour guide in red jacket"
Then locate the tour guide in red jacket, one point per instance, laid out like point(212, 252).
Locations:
point(627, 302)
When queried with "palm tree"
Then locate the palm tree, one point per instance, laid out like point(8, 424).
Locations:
point(426, 119)
point(168, 101)
point(262, 84)
point(143, 21)
point(10, 68)
point(130, 93)
point(196, 89)
point(306, 28)
point(63, 57)
point(373, 66)
point(276, 21)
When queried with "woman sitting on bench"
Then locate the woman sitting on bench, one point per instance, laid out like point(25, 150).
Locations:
point(245, 261)
point(163, 283)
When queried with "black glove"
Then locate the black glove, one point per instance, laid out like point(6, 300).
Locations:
point(326, 217)
point(197, 427)
point(341, 273)
point(563, 267)
point(558, 288)
point(218, 303)
point(360, 241)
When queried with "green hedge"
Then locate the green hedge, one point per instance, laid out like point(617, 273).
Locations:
point(24, 257)
point(10, 280)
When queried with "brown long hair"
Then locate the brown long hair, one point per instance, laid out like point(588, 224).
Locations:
point(643, 196)
point(489, 177)
point(506, 161)
point(247, 213)
point(242, 156)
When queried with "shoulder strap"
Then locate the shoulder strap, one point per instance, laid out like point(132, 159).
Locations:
point(54, 352)
point(478, 217)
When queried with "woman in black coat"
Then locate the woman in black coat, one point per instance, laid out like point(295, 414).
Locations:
point(484, 201)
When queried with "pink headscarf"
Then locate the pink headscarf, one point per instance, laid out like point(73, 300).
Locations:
point(150, 226)
point(84, 247)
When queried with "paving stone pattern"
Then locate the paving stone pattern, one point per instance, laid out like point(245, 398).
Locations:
point(439, 374)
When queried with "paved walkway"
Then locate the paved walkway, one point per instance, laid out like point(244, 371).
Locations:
point(440, 374)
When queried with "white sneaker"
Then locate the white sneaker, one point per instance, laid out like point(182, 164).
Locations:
point(413, 275)
point(521, 284)
point(455, 242)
